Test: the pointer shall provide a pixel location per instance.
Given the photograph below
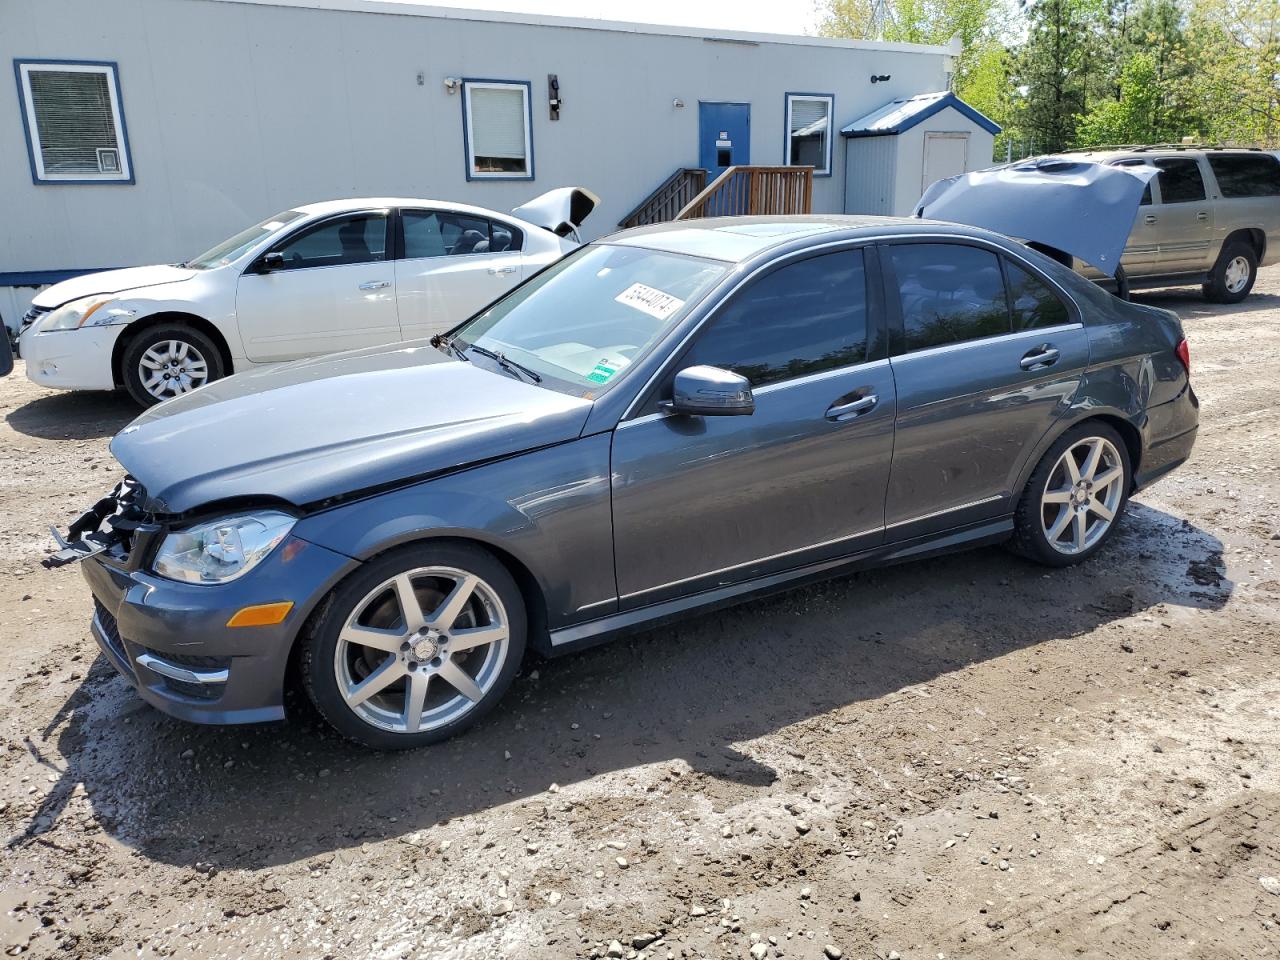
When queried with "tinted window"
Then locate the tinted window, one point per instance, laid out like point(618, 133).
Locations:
point(358, 239)
point(1146, 193)
point(802, 318)
point(949, 293)
point(1033, 303)
point(1180, 180)
point(1246, 175)
point(436, 234)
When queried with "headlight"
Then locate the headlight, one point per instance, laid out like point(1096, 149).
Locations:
point(222, 550)
point(95, 311)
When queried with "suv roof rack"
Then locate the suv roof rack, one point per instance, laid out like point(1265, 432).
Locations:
point(1144, 147)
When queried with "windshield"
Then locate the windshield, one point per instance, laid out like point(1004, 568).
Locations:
point(580, 323)
point(236, 246)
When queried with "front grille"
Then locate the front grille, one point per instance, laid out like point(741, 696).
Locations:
point(110, 629)
point(192, 661)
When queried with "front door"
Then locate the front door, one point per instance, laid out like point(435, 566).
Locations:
point(699, 502)
point(452, 265)
point(945, 155)
point(724, 136)
point(982, 373)
point(334, 290)
point(1184, 217)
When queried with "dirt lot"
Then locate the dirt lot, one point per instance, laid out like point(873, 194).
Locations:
point(967, 757)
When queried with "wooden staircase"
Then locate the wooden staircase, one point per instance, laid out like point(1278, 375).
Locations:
point(671, 196)
point(749, 191)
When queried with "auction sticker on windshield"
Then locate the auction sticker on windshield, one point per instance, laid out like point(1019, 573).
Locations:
point(649, 300)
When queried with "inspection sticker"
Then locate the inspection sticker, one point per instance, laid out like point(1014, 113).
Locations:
point(650, 301)
point(602, 372)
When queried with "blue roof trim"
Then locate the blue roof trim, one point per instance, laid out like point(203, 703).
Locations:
point(864, 127)
point(40, 278)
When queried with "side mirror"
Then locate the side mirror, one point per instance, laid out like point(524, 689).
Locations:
point(272, 261)
point(711, 392)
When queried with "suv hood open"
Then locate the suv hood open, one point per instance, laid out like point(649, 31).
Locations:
point(332, 426)
point(109, 281)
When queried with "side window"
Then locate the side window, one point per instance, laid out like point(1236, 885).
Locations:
point(1180, 180)
point(441, 234)
point(1034, 304)
point(335, 243)
point(1246, 175)
point(800, 319)
point(1146, 193)
point(949, 293)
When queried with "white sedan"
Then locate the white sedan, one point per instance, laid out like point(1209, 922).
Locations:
point(312, 280)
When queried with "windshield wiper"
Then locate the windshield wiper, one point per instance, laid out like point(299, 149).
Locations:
point(506, 363)
point(451, 345)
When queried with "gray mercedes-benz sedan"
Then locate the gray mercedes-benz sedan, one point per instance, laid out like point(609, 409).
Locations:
point(667, 419)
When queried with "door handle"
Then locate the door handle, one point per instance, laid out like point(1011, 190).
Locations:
point(1151, 218)
point(1202, 216)
point(501, 271)
point(1043, 356)
point(375, 284)
point(855, 408)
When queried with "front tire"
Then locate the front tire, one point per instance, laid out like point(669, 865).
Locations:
point(168, 360)
point(1075, 498)
point(1234, 274)
point(416, 646)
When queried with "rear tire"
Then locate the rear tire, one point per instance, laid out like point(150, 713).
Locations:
point(415, 646)
point(168, 360)
point(1075, 498)
point(1234, 274)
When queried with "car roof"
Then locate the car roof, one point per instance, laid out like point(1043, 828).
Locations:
point(735, 239)
point(325, 207)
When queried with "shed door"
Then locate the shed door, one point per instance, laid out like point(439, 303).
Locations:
point(945, 155)
point(724, 136)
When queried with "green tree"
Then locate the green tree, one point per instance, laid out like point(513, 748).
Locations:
point(1136, 117)
point(1052, 71)
point(1234, 76)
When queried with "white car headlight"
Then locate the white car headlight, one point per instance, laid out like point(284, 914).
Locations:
point(221, 550)
point(96, 311)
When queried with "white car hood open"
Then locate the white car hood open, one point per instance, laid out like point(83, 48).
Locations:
point(109, 281)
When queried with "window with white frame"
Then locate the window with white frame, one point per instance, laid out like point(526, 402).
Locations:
point(74, 122)
point(498, 129)
point(809, 131)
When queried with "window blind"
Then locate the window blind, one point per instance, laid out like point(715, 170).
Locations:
point(806, 114)
point(498, 122)
point(75, 120)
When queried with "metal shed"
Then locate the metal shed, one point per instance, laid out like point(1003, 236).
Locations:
point(894, 152)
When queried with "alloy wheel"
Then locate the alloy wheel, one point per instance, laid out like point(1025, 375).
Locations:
point(1082, 495)
point(170, 367)
point(1236, 276)
point(421, 649)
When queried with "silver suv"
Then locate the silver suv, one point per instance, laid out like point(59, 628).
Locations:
point(1211, 217)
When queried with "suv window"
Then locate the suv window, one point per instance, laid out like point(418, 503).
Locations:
point(949, 293)
point(431, 233)
point(1180, 180)
point(1246, 175)
point(800, 319)
point(346, 240)
point(1146, 193)
point(1033, 302)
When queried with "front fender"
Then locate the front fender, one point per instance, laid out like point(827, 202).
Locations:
point(549, 510)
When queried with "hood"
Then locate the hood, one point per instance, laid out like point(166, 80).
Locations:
point(109, 281)
point(561, 210)
point(330, 426)
point(1083, 208)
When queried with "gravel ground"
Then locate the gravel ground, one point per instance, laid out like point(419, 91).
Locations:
point(964, 757)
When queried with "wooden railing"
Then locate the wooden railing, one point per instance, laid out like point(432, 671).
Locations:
point(744, 191)
point(668, 199)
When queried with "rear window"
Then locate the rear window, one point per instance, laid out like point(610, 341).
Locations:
point(1180, 180)
point(1246, 175)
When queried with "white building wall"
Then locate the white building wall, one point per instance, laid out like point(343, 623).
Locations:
point(237, 109)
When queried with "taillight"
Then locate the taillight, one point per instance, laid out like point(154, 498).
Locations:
point(1184, 354)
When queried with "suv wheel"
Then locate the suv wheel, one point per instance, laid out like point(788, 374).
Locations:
point(168, 360)
point(1233, 275)
point(416, 646)
point(1075, 497)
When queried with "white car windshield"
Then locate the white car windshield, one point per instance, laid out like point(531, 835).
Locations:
point(581, 322)
point(235, 247)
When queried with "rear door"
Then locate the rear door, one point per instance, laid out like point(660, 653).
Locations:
point(978, 383)
point(451, 265)
point(700, 502)
point(1183, 217)
point(335, 290)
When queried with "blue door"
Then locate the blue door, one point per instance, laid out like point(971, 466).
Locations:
point(724, 136)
